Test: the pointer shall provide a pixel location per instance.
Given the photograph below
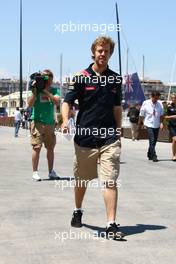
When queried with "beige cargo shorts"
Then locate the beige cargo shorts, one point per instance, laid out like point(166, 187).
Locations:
point(86, 161)
point(41, 133)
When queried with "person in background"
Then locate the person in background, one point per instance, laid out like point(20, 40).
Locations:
point(165, 108)
point(171, 118)
point(43, 124)
point(25, 120)
point(17, 119)
point(133, 115)
point(151, 114)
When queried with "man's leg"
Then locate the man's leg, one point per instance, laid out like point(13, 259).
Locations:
point(50, 158)
point(85, 169)
point(35, 161)
point(109, 171)
point(35, 158)
point(151, 148)
point(110, 198)
point(16, 129)
point(80, 189)
point(17, 126)
point(49, 139)
point(36, 142)
point(174, 148)
point(156, 132)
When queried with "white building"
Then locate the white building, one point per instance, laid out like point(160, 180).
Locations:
point(11, 101)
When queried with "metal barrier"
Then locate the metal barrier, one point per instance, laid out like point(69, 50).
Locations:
point(162, 137)
point(7, 121)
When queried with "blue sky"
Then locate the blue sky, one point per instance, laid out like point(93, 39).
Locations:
point(148, 27)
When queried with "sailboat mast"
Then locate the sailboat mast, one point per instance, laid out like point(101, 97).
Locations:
point(27, 84)
point(143, 64)
point(171, 78)
point(61, 79)
point(127, 61)
point(118, 36)
point(21, 76)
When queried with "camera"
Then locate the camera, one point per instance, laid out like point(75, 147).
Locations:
point(40, 79)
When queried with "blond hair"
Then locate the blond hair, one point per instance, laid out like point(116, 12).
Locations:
point(102, 41)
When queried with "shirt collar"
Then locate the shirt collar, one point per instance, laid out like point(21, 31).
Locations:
point(153, 103)
point(91, 71)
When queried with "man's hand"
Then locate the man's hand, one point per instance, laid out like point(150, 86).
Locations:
point(54, 99)
point(140, 126)
point(64, 127)
point(141, 122)
point(34, 90)
point(161, 126)
point(65, 117)
point(46, 92)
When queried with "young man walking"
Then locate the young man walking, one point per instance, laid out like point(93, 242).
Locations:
point(97, 138)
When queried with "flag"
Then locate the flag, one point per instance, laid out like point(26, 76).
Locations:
point(133, 93)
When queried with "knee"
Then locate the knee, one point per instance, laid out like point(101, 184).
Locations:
point(36, 149)
point(50, 151)
point(81, 184)
point(111, 184)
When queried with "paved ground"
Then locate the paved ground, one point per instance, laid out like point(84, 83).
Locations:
point(35, 217)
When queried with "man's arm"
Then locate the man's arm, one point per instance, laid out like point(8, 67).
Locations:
point(141, 115)
point(161, 118)
point(69, 99)
point(51, 97)
point(117, 109)
point(161, 122)
point(65, 114)
point(141, 121)
point(31, 100)
point(170, 117)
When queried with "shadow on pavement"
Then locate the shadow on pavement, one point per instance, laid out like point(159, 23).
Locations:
point(59, 179)
point(165, 160)
point(128, 230)
point(101, 232)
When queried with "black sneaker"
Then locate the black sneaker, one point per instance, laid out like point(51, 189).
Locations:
point(155, 159)
point(76, 218)
point(149, 156)
point(112, 232)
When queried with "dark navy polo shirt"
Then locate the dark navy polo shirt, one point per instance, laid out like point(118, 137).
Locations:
point(172, 111)
point(97, 96)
